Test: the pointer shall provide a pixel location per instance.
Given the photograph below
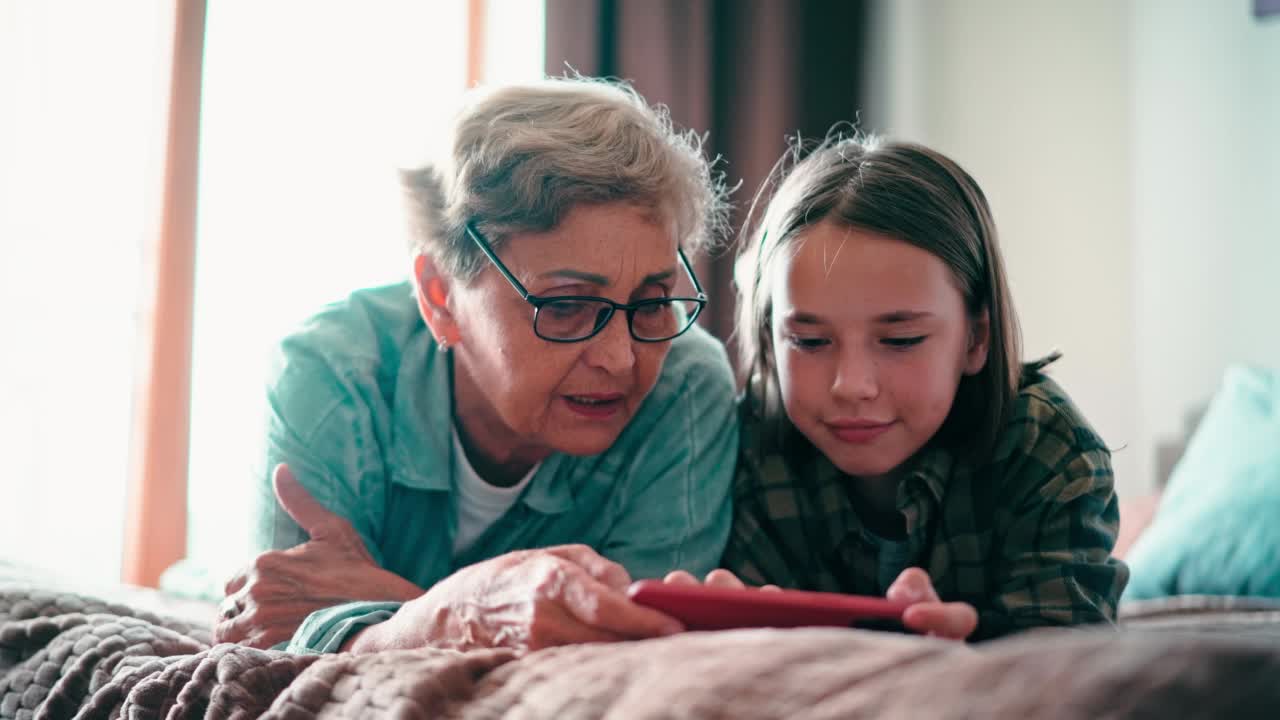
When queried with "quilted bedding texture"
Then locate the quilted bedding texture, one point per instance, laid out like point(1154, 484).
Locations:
point(64, 655)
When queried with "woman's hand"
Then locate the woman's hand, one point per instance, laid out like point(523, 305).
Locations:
point(525, 600)
point(716, 578)
point(928, 615)
point(267, 600)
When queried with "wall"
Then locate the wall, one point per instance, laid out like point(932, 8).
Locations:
point(1032, 98)
point(1206, 169)
point(1131, 152)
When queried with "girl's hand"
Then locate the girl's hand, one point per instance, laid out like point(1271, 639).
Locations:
point(268, 599)
point(929, 615)
point(525, 600)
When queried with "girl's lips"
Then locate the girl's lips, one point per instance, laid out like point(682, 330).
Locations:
point(859, 432)
point(595, 406)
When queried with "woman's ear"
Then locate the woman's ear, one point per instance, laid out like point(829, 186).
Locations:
point(432, 291)
point(975, 357)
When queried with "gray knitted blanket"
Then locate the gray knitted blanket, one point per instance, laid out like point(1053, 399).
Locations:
point(64, 655)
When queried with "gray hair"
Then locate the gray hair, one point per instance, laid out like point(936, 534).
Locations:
point(523, 155)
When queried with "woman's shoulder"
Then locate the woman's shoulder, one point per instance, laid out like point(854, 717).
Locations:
point(360, 331)
point(698, 351)
point(348, 354)
point(697, 363)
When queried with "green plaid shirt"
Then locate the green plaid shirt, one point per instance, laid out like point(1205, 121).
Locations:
point(1025, 538)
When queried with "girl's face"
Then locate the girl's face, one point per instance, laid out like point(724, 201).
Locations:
point(871, 337)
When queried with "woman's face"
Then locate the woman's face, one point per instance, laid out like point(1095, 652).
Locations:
point(519, 394)
point(871, 338)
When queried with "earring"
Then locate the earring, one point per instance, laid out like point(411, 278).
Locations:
point(447, 338)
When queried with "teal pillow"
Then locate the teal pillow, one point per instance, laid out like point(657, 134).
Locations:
point(1217, 530)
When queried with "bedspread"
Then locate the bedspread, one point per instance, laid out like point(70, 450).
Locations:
point(64, 655)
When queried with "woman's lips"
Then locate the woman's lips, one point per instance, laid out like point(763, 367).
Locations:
point(859, 432)
point(595, 406)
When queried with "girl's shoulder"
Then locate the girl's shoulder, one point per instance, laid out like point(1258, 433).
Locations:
point(1043, 410)
point(773, 455)
point(761, 442)
point(1048, 441)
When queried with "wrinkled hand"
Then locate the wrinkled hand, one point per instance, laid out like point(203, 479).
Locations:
point(928, 615)
point(525, 600)
point(267, 600)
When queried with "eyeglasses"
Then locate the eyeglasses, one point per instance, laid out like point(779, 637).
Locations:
point(574, 318)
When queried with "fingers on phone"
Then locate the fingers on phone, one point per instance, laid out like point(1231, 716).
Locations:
point(601, 568)
point(558, 626)
point(955, 620)
point(725, 579)
point(594, 604)
point(680, 577)
point(912, 586)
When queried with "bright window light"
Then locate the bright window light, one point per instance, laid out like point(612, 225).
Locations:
point(82, 86)
point(309, 108)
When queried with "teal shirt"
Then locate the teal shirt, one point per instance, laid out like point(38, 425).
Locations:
point(360, 410)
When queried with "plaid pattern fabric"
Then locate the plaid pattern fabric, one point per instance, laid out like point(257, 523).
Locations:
point(1025, 538)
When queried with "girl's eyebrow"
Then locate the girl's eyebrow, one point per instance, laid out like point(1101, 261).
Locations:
point(799, 317)
point(901, 316)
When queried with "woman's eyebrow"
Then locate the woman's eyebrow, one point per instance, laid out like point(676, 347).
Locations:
point(571, 274)
point(601, 280)
point(658, 276)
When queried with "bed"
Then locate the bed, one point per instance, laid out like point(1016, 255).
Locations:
point(68, 651)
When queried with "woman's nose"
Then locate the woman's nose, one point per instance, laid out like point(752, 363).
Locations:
point(613, 349)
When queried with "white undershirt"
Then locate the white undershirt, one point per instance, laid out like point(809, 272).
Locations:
point(480, 504)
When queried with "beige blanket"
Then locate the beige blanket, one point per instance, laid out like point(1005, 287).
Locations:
point(64, 655)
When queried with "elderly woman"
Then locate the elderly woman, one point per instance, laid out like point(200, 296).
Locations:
point(488, 455)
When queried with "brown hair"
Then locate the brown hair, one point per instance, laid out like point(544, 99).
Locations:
point(904, 191)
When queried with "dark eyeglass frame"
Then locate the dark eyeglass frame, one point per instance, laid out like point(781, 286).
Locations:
point(538, 302)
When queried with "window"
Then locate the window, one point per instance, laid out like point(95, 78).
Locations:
point(308, 110)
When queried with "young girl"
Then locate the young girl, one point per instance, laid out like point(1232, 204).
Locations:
point(893, 441)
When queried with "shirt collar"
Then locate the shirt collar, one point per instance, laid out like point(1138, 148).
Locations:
point(422, 441)
point(931, 467)
point(422, 426)
point(549, 492)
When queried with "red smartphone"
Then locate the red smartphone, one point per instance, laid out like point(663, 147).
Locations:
point(701, 607)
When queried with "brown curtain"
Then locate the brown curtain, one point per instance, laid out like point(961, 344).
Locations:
point(749, 72)
point(156, 516)
point(476, 21)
